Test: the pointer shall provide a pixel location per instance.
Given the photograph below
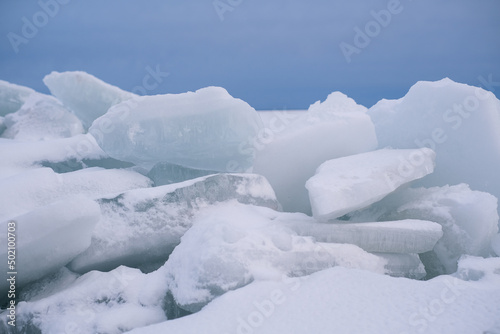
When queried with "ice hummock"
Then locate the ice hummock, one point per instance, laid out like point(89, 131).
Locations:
point(202, 130)
point(293, 144)
point(351, 183)
point(87, 96)
point(47, 238)
point(161, 215)
point(12, 97)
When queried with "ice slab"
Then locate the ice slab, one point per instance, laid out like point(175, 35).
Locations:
point(403, 236)
point(47, 238)
point(293, 144)
point(331, 301)
point(34, 188)
point(460, 123)
point(41, 117)
point(166, 173)
point(351, 183)
point(87, 96)
point(469, 220)
point(203, 130)
point(161, 215)
point(12, 97)
point(495, 244)
point(232, 244)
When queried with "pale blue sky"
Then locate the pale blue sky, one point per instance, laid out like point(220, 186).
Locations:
point(272, 54)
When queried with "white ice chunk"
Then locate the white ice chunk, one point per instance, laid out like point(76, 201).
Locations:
point(469, 220)
point(47, 238)
point(203, 129)
point(26, 191)
point(87, 96)
point(41, 117)
point(460, 123)
point(495, 244)
point(293, 144)
point(351, 183)
point(12, 97)
point(145, 225)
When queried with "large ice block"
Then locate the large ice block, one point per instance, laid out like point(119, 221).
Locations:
point(293, 144)
point(87, 96)
point(12, 97)
point(166, 173)
point(145, 225)
point(351, 183)
point(205, 129)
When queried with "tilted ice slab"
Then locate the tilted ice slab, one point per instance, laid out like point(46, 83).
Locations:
point(351, 183)
point(166, 173)
point(460, 122)
point(87, 96)
point(293, 144)
point(41, 117)
point(403, 236)
point(47, 238)
point(12, 97)
point(469, 220)
point(232, 244)
point(203, 129)
point(33, 188)
point(145, 225)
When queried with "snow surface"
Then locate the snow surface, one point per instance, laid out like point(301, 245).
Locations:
point(351, 183)
point(293, 144)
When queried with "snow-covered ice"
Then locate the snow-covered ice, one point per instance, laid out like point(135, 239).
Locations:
point(47, 238)
point(351, 183)
point(12, 97)
point(293, 144)
point(87, 96)
point(161, 215)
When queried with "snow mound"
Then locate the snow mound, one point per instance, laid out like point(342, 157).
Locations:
point(351, 183)
point(87, 96)
point(12, 97)
point(161, 215)
point(293, 144)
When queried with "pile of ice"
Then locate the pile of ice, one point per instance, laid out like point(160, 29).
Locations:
point(170, 207)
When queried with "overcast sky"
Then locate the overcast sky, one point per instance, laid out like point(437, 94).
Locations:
point(273, 54)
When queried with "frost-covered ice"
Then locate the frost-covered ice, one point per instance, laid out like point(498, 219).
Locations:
point(47, 238)
point(41, 117)
point(144, 225)
point(203, 130)
point(293, 144)
point(495, 244)
point(351, 183)
point(166, 173)
point(469, 220)
point(460, 122)
point(34, 188)
point(87, 96)
point(12, 97)
point(404, 236)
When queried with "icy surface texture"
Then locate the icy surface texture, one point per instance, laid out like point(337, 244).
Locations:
point(166, 173)
point(233, 244)
point(469, 220)
point(404, 236)
point(26, 191)
point(351, 183)
point(495, 244)
point(145, 225)
point(333, 300)
point(293, 144)
point(203, 129)
point(47, 238)
point(41, 117)
point(12, 97)
point(460, 122)
point(87, 96)
point(107, 303)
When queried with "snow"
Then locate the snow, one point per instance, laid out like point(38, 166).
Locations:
point(469, 220)
point(87, 96)
point(351, 183)
point(161, 215)
point(203, 130)
point(47, 238)
point(41, 117)
point(293, 144)
point(460, 122)
point(12, 97)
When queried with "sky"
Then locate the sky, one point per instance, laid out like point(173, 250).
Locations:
point(282, 54)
